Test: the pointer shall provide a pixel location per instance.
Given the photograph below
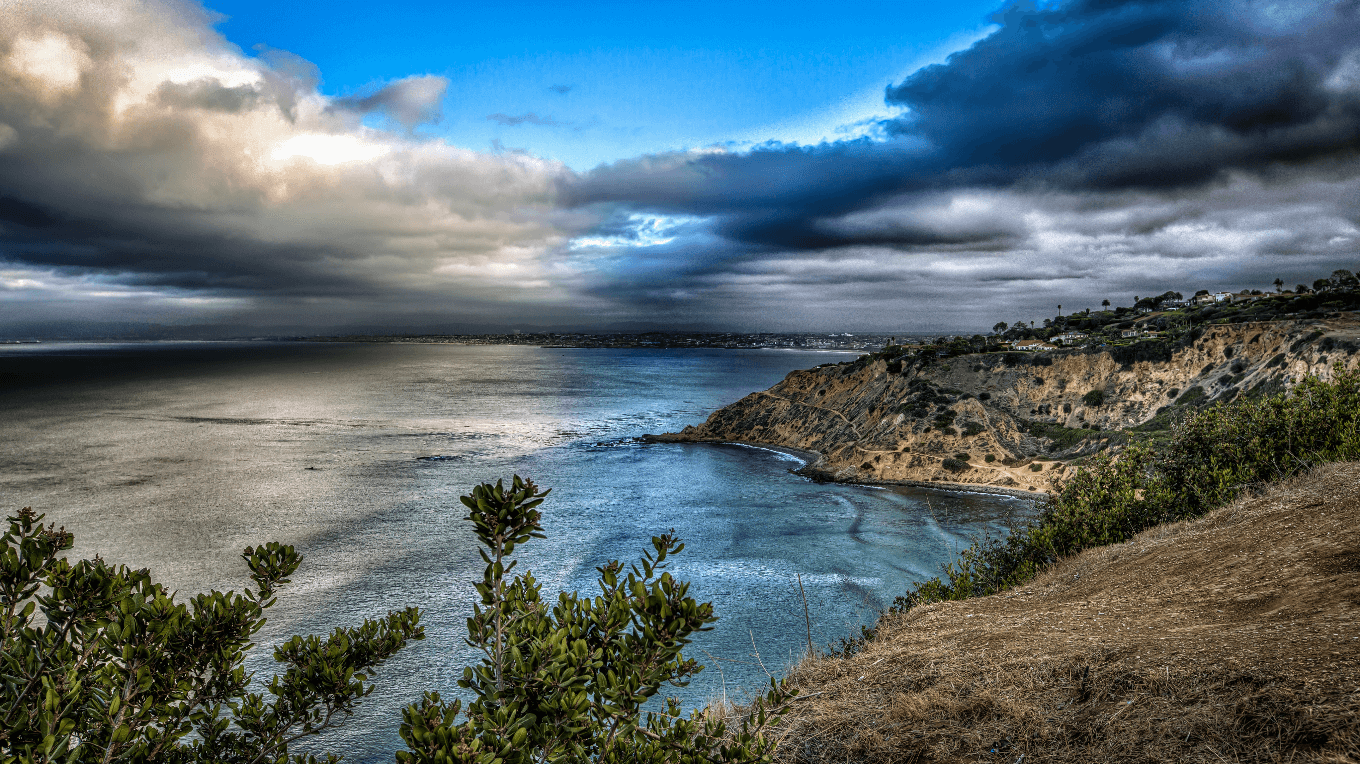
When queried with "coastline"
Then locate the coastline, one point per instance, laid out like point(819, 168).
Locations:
point(812, 472)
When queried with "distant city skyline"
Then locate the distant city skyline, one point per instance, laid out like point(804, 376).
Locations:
point(238, 168)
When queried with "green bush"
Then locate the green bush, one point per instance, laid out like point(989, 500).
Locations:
point(1036, 467)
point(954, 465)
point(962, 457)
point(972, 428)
point(116, 670)
point(1094, 398)
point(1063, 437)
point(989, 458)
point(567, 681)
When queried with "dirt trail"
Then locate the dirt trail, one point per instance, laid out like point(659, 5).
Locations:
point(1231, 638)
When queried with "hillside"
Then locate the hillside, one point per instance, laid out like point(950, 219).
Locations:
point(1013, 420)
point(1229, 638)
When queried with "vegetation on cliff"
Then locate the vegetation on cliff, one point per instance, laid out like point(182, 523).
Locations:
point(1214, 454)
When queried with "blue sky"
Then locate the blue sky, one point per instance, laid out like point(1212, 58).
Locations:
point(913, 167)
point(638, 77)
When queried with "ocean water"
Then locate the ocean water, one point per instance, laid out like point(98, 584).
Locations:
point(175, 456)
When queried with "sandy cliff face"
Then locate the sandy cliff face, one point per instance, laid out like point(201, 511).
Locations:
point(940, 419)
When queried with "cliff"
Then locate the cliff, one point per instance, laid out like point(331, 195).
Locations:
point(1015, 419)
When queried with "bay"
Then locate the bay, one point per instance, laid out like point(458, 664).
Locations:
point(175, 456)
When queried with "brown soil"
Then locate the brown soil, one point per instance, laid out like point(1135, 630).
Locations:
point(1232, 638)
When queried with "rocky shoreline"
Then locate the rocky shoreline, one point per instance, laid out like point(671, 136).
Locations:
point(812, 471)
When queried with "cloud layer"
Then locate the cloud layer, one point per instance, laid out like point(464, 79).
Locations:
point(1083, 150)
point(150, 171)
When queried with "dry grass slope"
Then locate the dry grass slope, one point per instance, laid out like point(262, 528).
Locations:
point(1232, 638)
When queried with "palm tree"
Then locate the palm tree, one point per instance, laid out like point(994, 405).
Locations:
point(1104, 303)
point(1279, 285)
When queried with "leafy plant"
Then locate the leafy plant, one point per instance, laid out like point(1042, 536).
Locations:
point(567, 681)
point(1094, 398)
point(114, 670)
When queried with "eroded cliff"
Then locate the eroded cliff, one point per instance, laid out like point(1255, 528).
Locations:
point(1014, 419)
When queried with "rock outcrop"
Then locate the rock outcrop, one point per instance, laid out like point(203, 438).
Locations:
point(1014, 419)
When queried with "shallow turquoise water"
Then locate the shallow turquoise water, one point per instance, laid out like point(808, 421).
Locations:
point(175, 456)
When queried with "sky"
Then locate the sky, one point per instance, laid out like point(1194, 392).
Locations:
point(242, 168)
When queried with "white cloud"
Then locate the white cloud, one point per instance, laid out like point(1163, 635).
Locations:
point(177, 165)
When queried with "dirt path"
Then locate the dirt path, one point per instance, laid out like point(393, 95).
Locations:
point(1232, 638)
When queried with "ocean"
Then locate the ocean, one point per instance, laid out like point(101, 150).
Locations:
point(175, 456)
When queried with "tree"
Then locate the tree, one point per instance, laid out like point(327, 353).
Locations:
point(1300, 289)
point(1321, 284)
point(117, 671)
point(566, 681)
point(1279, 284)
point(1104, 303)
point(1342, 277)
point(1000, 327)
point(1201, 292)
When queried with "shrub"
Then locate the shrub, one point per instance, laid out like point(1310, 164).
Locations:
point(972, 428)
point(567, 681)
point(989, 458)
point(116, 670)
point(962, 457)
point(1094, 398)
point(984, 396)
point(1036, 467)
point(954, 465)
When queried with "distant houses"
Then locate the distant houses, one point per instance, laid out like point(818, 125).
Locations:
point(1032, 345)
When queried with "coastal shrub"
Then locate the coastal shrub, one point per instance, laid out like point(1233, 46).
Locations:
point(566, 681)
point(1190, 396)
point(972, 428)
point(954, 465)
point(1036, 467)
point(1094, 398)
point(113, 669)
point(1213, 455)
point(989, 458)
point(984, 396)
point(1063, 437)
point(963, 457)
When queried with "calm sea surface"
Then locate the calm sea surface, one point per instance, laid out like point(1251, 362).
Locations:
point(175, 456)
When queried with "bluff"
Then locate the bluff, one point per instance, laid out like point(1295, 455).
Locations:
point(1013, 419)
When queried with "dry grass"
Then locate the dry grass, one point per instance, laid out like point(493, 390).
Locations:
point(1233, 638)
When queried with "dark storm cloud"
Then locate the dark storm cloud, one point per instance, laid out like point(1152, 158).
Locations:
point(1082, 148)
point(1091, 96)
